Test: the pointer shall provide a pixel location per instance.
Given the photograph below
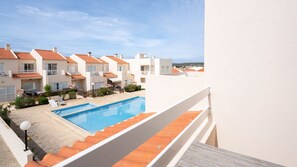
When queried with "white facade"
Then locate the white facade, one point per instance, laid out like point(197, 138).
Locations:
point(121, 69)
point(92, 71)
point(56, 78)
point(142, 66)
point(254, 99)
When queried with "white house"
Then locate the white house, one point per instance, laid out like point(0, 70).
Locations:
point(52, 66)
point(93, 69)
point(142, 66)
point(120, 68)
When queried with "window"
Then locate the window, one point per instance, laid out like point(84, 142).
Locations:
point(91, 69)
point(28, 67)
point(119, 68)
point(142, 80)
point(1, 67)
point(142, 68)
point(29, 86)
point(52, 69)
point(58, 86)
point(167, 68)
point(71, 69)
point(7, 93)
point(98, 85)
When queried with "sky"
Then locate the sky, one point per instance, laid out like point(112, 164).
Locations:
point(162, 28)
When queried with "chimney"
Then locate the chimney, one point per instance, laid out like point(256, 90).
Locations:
point(89, 53)
point(116, 55)
point(121, 56)
point(54, 49)
point(7, 47)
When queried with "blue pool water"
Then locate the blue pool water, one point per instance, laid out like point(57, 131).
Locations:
point(74, 109)
point(98, 118)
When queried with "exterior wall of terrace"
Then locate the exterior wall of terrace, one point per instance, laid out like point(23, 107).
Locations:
point(254, 98)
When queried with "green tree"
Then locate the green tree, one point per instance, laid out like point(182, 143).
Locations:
point(48, 90)
point(4, 114)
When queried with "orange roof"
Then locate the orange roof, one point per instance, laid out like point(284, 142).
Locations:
point(78, 76)
point(89, 59)
point(104, 62)
point(175, 70)
point(110, 75)
point(118, 60)
point(189, 70)
point(6, 54)
point(70, 61)
point(24, 56)
point(49, 55)
point(66, 152)
point(141, 156)
point(201, 70)
point(27, 75)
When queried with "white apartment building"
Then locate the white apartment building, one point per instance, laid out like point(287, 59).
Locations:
point(142, 66)
point(8, 66)
point(120, 68)
point(77, 79)
point(52, 66)
point(92, 69)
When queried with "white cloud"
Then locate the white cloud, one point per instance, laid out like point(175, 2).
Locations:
point(79, 25)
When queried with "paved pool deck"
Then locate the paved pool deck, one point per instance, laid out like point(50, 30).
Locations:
point(51, 133)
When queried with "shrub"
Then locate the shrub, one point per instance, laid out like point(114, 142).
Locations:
point(42, 100)
point(21, 102)
point(48, 90)
point(4, 114)
point(104, 91)
point(72, 95)
point(132, 88)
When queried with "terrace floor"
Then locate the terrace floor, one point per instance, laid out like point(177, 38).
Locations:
point(6, 158)
point(51, 134)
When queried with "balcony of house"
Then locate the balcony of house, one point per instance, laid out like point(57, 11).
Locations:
point(6, 74)
point(27, 71)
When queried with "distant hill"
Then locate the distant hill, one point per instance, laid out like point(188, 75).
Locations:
point(196, 64)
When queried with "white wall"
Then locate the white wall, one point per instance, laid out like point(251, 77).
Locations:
point(166, 91)
point(15, 144)
point(254, 98)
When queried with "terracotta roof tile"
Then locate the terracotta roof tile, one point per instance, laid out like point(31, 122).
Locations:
point(110, 75)
point(27, 75)
point(104, 62)
point(201, 70)
point(175, 71)
point(118, 60)
point(78, 76)
point(70, 61)
point(24, 56)
point(141, 156)
point(65, 152)
point(6, 54)
point(189, 70)
point(89, 59)
point(49, 55)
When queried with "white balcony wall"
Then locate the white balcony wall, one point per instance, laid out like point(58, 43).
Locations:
point(165, 91)
point(250, 64)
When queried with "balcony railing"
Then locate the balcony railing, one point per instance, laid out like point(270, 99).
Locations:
point(26, 71)
point(73, 72)
point(113, 149)
point(96, 73)
point(52, 72)
point(144, 72)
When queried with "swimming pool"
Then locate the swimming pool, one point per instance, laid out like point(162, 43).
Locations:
point(74, 109)
point(97, 118)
